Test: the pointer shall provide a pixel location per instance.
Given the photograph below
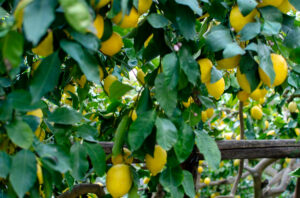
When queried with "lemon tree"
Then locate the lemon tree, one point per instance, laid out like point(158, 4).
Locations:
point(155, 79)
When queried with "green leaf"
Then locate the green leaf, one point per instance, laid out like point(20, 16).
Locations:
point(23, 172)
point(87, 132)
point(87, 63)
point(189, 65)
point(265, 62)
point(171, 70)
point(192, 115)
point(218, 38)
point(215, 75)
point(270, 13)
point(295, 55)
point(140, 129)
point(65, 115)
point(133, 193)
point(20, 133)
point(207, 102)
point(271, 28)
point(120, 136)
point(171, 177)
point(246, 6)
point(5, 164)
point(233, 49)
point(295, 173)
point(295, 3)
point(46, 77)
point(12, 49)
point(184, 145)
point(188, 184)
point(79, 162)
point(166, 97)
point(144, 103)
point(292, 39)
point(77, 14)
point(192, 4)
point(249, 67)
point(89, 41)
point(118, 89)
point(166, 135)
point(250, 31)
point(209, 148)
point(157, 20)
point(38, 16)
point(177, 192)
point(21, 100)
point(97, 156)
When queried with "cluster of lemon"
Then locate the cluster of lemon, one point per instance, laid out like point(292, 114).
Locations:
point(119, 177)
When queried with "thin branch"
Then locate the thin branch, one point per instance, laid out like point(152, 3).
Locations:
point(82, 189)
point(297, 189)
point(291, 98)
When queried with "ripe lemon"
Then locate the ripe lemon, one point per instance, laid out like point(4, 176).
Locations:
point(201, 162)
point(156, 163)
point(99, 26)
point(40, 133)
point(229, 63)
point(39, 173)
point(297, 131)
point(221, 164)
point(38, 113)
point(204, 116)
point(257, 94)
point(108, 82)
point(280, 68)
point(266, 124)
point(227, 136)
point(238, 137)
point(274, 3)
point(146, 43)
point(69, 88)
point(140, 76)
point(242, 96)
point(256, 112)
point(133, 115)
point(207, 180)
point(292, 107)
point(216, 89)
point(236, 162)
point(238, 21)
point(243, 82)
point(81, 81)
point(144, 6)
point(146, 180)
point(188, 103)
point(101, 3)
point(271, 133)
point(125, 157)
point(118, 180)
point(205, 68)
point(127, 21)
point(112, 45)
point(200, 169)
point(45, 48)
point(209, 112)
point(286, 6)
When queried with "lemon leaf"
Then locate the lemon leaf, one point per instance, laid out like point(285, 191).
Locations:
point(65, 116)
point(5, 164)
point(246, 6)
point(295, 3)
point(166, 134)
point(192, 4)
point(170, 65)
point(20, 133)
point(249, 31)
point(171, 177)
point(189, 65)
point(157, 20)
point(97, 156)
point(188, 184)
point(79, 164)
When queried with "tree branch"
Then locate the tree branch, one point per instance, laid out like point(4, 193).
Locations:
point(82, 189)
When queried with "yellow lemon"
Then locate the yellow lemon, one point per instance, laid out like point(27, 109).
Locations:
point(156, 163)
point(266, 124)
point(70, 88)
point(238, 137)
point(286, 6)
point(204, 116)
point(205, 68)
point(99, 26)
point(108, 81)
point(297, 131)
point(140, 76)
point(287, 160)
point(146, 180)
point(238, 21)
point(271, 133)
point(101, 73)
point(221, 164)
point(256, 112)
point(242, 96)
point(274, 3)
point(188, 103)
point(216, 89)
point(293, 107)
point(236, 162)
point(209, 112)
point(229, 63)
point(201, 162)
point(112, 45)
point(144, 6)
point(257, 94)
point(38, 113)
point(133, 115)
point(125, 157)
point(81, 82)
point(127, 21)
point(280, 68)
point(40, 133)
point(146, 43)
point(228, 136)
point(118, 180)
point(207, 180)
point(39, 173)
point(45, 48)
point(200, 169)
point(243, 82)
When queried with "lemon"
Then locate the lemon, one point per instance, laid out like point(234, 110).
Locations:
point(221, 164)
point(146, 43)
point(39, 173)
point(209, 112)
point(101, 73)
point(156, 163)
point(292, 107)
point(108, 81)
point(118, 180)
point(274, 3)
point(45, 48)
point(242, 96)
point(229, 63)
point(216, 89)
point(133, 115)
point(141, 76)
point(238, 21)
point(127, 21)
point(204, 116)
point(286, 6)
point(207, 180)
point(38, 113)
point(238, 137)
point(258, 93)
point(40, 133)
point(200, 169)
point(205, 68)
point(81, 81)
point(125, 158)
point(256, 112)
point(201, 162)
point(243, 82)
point(271, 133)
point(69, 88)
point(297, 131)
point(112, 45)
point(146, 180)
point(280, 68)
point(287, 160)
point(101, 3)
point(227, 136)
point(236, 162)
point(188, 103)
point(266, 124)
point(144, 6)
point(99, 26)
